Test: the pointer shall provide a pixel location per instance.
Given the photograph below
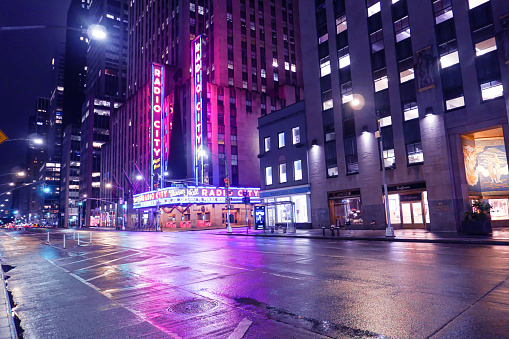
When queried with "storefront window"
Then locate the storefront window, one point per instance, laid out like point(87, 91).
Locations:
point(301, 207)
point(394, 208)
point(426, 208)
point(284, 211)
point(499, 209)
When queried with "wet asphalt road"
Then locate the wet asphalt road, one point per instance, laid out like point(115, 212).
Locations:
point(202, 285)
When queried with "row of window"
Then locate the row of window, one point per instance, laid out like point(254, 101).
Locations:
point(281, 139)
point(297, 173)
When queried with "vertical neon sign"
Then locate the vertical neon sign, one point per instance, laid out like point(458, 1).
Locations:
point(156, 128)
point(198, 107)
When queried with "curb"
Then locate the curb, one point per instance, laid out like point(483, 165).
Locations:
point(428, 241)
point(4, 295)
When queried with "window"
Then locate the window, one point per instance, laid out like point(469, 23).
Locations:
point(346, 92)
point(475, 3)
point(268, 176)
point(323, 38)
point(389, 158)
point(386, 121)
point(341, 24)
point(374, 9)
point(449, 59)
point(402, 29)
point(344, 61)
point(414, 153)
point(267, 144)
point(332, 171)
point(297, 170)
point(296, 135)
point(485, 46)
point(282, 173)
point(491, 90)
point(443, 10)
point(381, 84)
point(410, 111)
point(455, 103)
point(325, 66)
point(281, 139)
point(327, 102)
point(406, 75)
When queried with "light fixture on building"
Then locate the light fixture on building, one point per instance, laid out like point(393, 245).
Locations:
point(314, 142)
point(429, 111)
point(364, 129)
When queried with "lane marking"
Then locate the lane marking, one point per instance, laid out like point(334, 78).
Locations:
point(283, 276)
point(106, 294)
point(106, 262)
point(99, 256)
point(100, 276)
point(241, 329)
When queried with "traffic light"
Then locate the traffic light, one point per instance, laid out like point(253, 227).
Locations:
point(227, 182)
point(80, 203)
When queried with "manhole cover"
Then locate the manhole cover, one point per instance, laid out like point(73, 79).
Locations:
point(193, 306)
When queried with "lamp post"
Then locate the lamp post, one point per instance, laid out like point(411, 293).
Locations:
point(110, 185)
point(203, 153)
point(358, 103)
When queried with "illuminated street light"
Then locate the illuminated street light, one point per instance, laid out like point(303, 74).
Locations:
point(139, 177)
point(108, 185)
point(21, 174)
point(97, 32)
point(124, 203)
point(11, 184)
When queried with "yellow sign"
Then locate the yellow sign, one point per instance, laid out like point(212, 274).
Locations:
point(3, 137)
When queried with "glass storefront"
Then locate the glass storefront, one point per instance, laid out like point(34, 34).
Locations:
point(284, 212)
point(410, 209)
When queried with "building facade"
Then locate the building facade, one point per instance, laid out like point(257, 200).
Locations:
point(242, 79)
point(105, 91)
point(436, 75)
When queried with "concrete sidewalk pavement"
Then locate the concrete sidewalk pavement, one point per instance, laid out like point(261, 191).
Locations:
point(7, 327)
point(500, 236)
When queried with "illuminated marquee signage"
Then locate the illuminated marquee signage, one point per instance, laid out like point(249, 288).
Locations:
point(198, 86)
point(194, 195)
point(157, 118)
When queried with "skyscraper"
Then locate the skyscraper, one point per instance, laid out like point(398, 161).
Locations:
point(238, 80)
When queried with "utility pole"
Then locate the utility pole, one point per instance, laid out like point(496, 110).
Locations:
point(229, 226)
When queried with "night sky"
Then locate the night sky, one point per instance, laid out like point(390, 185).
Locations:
point(25, 68)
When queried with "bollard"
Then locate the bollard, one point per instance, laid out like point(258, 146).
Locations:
point(90, 237)
point(332, 230)
point(64, 240)
point(48, 238)
point(78, 239)
point(323, 231)
point(74, 234)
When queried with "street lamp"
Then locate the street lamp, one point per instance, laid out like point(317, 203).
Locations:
point(110, 185)
point(357, 103)
point(204, 154)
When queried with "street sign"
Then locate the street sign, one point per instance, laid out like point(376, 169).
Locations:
point(3, 137)
point(246, 200)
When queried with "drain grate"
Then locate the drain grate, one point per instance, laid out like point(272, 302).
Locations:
point(193, 306)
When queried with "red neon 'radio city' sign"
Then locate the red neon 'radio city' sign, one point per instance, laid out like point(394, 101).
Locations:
point(157, 115)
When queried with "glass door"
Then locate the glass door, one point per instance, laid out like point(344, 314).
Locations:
point(412, 214)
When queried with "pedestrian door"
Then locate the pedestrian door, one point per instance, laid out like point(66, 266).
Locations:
point(412, 214)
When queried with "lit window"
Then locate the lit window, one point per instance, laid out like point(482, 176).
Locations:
point(411, 112)
point(332, 171)
point(325, 66)
point(443, 10)
point(492, 90)
point(344, 61)
point(485, 46)
point(374, 9)
point(282, 173)
point(276, 77)
point(414, 153)
point(296, 135)
point(386, 121)
point(297, 170)
point(263, 74)
point(330, 136)
point(327, 100)
point(268, 176)
point(394, 1)
point(294, 69)
point(323, 38)
point(281, 139)
point(475, 3)
point(402, 29)
point(407, 75)
point(192, 7)
point(341, 24)
point(381, 84)
point(449, 59)
point(287, 66)
point(267, 144)
point(389, 158)
point(109, 16)
point(455, 103)
point(274, 62)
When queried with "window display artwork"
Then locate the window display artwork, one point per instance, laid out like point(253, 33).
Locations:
point(499, 209)
point(486, 166)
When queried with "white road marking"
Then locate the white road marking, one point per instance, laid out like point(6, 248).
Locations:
point(99, 256)
point(283, 276)
point(241, 329)
point(90, 285)
point(100, 276)
point(107, 262)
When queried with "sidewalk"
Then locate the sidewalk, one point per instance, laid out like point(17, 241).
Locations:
point(500, 236)
point(7, 328)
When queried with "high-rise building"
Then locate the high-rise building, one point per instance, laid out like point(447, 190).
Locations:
point(105, 91)
point(434, 76)
point(219, 65)
point(75, 71)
